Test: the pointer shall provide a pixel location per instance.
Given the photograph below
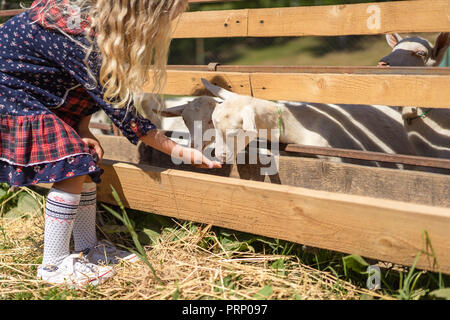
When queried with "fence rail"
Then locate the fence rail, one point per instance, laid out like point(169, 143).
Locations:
point(431, 71)
point(368, 155)
point(336, 20)
point(367, 18)
point(429, 91)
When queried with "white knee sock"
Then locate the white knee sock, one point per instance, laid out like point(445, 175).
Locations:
point(84, 235)
point(60, 211)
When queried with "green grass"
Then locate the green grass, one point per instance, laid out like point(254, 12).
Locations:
point(316, 51)
point(405, 283)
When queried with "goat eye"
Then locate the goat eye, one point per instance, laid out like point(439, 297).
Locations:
point(421, 53)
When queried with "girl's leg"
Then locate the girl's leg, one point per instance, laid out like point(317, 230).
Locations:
point(84, 231)
point(58, 265)
point(72, 185)
point(60, 211)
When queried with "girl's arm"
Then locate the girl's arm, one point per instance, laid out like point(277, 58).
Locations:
point(158, 140)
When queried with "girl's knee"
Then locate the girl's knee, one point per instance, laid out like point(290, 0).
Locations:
point(72, 185)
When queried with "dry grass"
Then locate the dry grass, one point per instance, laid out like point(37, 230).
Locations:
point(189, 267)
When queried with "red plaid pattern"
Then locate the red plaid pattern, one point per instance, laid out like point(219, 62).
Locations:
point(59, 14)
point(78, 105)
point(52, 139)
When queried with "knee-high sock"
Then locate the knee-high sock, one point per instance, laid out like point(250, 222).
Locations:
point(60, 212)
point(84, 235)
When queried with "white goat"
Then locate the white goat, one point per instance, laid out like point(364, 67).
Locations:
point(372, 128)
point(197, 117)
point(428, 129)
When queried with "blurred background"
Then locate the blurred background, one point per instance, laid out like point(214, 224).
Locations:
point(355, 50)
point(319, 51)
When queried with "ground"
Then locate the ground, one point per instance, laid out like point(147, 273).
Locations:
point(194, 261)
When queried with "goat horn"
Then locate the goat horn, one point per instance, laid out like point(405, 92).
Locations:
point(218, 91)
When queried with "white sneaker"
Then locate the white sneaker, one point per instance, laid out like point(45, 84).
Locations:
point(106, 253)
point(75, 271)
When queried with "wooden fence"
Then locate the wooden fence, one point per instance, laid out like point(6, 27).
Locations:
point(384, 214)
point(350, 209)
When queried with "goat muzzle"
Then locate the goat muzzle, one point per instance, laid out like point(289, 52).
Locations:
point(383, 64)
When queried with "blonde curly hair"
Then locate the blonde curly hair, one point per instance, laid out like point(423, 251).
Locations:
point(133, 37)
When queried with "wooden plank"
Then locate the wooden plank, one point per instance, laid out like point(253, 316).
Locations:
point(338, 20)
point(189, 83)
point(431, 71)
point(347, 178)
point(370, 155)
point(403, 185)
point(335, 20)
point(423, 90)
point(369, 18)
point(211, 24)
point(380, 229)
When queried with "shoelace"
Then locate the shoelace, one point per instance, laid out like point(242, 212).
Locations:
point(82, 265)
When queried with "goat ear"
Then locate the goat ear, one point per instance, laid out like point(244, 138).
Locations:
point(174, 111)
point(440, 47)
point(218, 91)
point(393, 39)
point(248, 119)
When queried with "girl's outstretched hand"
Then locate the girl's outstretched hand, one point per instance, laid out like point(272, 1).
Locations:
point(197, 159)
point(158, 140)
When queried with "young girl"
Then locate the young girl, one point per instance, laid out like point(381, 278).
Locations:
point(61, 61)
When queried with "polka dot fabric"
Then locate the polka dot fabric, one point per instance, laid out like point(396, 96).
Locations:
point(45, 90)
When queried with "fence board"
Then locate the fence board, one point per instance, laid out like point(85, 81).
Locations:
point(383, 89)
point(402, 185)
point(189, 83)
point(211, 24)
point(393, 90)
point(368, 18)
point(336, 20)
point(380, 229)
point(371, 70)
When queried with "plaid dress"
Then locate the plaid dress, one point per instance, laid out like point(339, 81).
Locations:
point(45, 90)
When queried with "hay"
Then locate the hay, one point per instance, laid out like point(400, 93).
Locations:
point(189, 271)
point(189, 268)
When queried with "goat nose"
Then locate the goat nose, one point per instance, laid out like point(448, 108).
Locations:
point(383, 64)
